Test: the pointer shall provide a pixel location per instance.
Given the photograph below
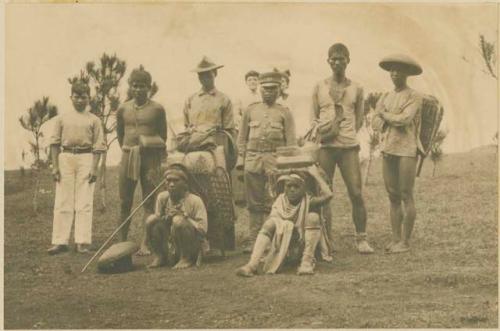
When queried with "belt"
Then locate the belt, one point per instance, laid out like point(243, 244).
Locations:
point(77, 150)
point(263, 146)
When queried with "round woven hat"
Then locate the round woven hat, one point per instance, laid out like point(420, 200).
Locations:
point(412, 67)
point(118, 257)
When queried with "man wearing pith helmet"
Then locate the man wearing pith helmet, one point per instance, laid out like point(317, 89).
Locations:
point(397, 118)
point(141, 129)
point(210, 109)
point(265, 126)
point(339, 100)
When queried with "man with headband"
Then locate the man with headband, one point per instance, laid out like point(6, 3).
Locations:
point(76, 146)
point(337, 110)
point(181, 218)
point(294, 211)
point(139, 122)
point(265, 126)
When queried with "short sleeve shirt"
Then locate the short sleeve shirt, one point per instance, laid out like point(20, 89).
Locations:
point(78, 130)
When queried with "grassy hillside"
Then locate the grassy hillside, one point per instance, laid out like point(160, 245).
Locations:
point(449, 279)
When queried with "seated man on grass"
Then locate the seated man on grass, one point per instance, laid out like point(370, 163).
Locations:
point(295, 210)
point(181, 218)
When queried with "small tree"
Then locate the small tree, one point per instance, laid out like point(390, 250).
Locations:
point(104, 79)
point(488, 53)
point(495, 138)
point(436, 152)
point(33, 120)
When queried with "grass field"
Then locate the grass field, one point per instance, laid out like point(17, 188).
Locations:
point(449, 279)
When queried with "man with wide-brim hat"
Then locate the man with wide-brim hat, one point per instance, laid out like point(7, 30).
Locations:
point(397, 118)
point(405, 63)
point(211, 110)
point(265, 126)
point(118, 258)
point(180, 218)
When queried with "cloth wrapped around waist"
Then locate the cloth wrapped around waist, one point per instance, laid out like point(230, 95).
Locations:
point(133, 161)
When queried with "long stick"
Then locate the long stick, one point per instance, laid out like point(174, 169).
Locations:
point(123, 223)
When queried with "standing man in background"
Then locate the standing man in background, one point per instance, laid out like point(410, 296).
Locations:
point(250, 96)
point(339, 99)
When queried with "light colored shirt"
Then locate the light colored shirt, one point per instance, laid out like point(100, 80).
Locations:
point(401, 121)
point(79, 130)
point(208, 110)
point(350, 98)
point(191, 205)
point(247, 99)
point(242, 104)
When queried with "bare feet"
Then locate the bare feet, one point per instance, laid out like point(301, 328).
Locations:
point(390, 245)
point(157, 262)
point(400, 247)
point(183, 264)
point(245, 271)
point(144, 251)
point(364, 247)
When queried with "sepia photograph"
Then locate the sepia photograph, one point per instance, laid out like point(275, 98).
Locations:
point(236, 165)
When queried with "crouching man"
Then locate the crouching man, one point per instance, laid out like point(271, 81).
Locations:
point(295, 213)
point(180, 218)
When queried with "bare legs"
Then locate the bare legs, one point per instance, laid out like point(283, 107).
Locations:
point(399, 178)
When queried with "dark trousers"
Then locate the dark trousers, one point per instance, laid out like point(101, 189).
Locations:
point(149, 173)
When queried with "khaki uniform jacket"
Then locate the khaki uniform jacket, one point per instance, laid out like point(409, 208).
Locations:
point(263, 129)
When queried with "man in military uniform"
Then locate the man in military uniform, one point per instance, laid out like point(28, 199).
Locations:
point(265, 126)
point(338, 99)
point(210, 109)
point(141, 128)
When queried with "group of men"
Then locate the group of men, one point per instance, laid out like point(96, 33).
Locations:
point(261, 124)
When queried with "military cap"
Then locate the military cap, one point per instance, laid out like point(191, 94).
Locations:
point(412, 68)
point(117, 258)
point(270, 78)
point(206, 65)
point(141, 76)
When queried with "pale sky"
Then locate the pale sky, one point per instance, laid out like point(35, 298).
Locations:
point(46, 44)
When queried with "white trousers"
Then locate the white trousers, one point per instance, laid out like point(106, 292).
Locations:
point(74, 200)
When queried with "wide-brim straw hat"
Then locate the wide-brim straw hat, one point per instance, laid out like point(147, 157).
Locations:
point(206, 65)
point(412, 68)
point(117, 258)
